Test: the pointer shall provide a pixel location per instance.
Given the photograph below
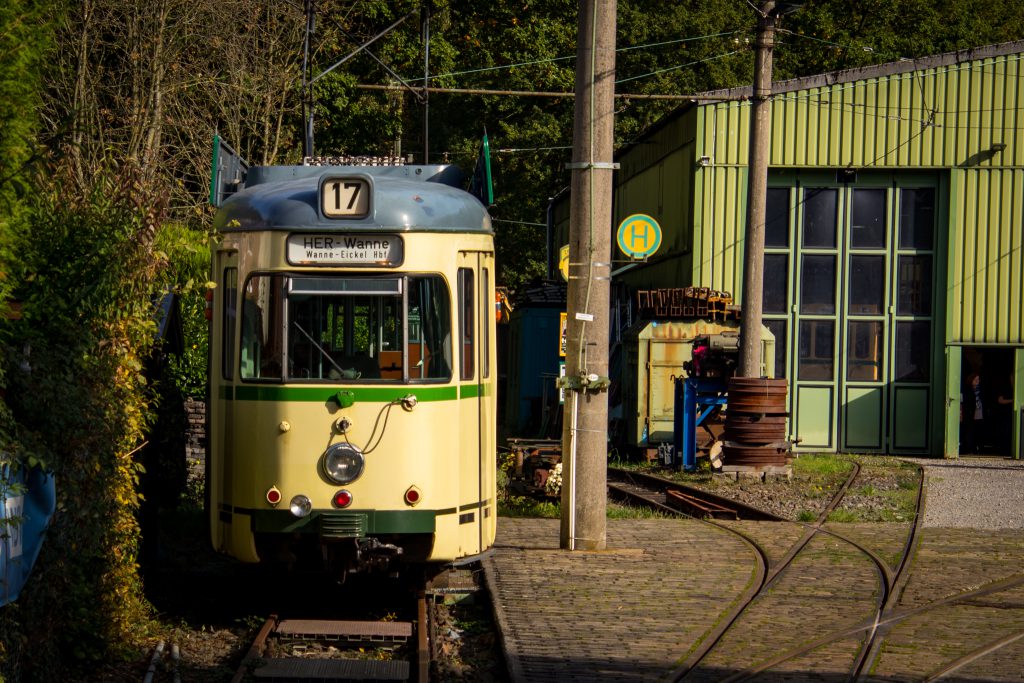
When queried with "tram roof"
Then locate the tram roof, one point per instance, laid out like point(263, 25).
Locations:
point(405, 199)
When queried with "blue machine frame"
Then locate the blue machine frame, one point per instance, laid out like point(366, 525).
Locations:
point(695, 399)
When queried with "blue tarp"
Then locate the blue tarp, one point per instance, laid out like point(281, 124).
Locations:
point(27, 501)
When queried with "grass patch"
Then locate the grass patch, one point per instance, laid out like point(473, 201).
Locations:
point(617, 511)
point(822, 465)
point(521, 506)
point(844, 516)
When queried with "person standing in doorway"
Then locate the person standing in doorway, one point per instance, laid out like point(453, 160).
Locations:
point(975, 414)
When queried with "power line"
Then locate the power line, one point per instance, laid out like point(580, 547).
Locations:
point(862, 48)
point(530, 149)
point(501, 220)
point(537, 93)
point(676, 68)
point(560, 59)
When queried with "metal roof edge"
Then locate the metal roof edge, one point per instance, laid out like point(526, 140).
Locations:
point(861, 73)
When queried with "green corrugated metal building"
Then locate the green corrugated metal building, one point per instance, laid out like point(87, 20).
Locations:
point(894, 270)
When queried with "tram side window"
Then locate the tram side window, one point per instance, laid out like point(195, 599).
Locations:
point(485, 327)
point(430, 338)
point(261, 345)
point(229, 304)
point(466, 323)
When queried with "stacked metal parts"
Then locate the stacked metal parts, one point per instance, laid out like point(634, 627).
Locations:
point(686, 302)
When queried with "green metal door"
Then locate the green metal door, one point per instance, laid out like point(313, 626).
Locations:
point(862, 279)
point(912, 320)
point(817, 272)
point(867, 258)
point(953, 402)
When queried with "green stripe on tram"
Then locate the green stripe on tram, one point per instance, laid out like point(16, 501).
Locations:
point(360, 394)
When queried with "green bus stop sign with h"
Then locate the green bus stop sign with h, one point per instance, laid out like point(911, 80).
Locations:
point(639, 236)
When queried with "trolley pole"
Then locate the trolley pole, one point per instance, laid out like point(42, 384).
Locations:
point(585, 431)
point(757, 191)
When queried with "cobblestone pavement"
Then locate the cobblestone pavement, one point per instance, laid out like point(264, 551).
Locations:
point(636, 611)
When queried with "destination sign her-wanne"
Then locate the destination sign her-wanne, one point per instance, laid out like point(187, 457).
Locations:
point(347, 250)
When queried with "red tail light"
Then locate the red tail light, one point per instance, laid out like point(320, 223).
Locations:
point(412, 496)
point(342, 499)
point(273, 495)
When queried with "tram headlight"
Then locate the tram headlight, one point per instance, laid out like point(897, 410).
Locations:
point(343, 463)
point(300, 506)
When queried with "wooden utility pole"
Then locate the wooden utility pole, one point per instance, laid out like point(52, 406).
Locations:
point(757, 191)
point(585, 430)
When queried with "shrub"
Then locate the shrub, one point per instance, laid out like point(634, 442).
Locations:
point(85, 273)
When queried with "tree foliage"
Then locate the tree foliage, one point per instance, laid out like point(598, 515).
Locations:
point(85, 276)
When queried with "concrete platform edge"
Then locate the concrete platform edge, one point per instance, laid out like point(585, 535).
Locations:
point(512, 664)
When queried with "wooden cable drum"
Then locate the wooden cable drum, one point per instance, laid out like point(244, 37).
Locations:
point(755, 422)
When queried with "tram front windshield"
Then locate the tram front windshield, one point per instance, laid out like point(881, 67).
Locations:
point(346, 329)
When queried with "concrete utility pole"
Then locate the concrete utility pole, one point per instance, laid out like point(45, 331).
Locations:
point(585, 430)
point(757, 191)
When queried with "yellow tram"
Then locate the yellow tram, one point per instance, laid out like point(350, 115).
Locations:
point(352, 371)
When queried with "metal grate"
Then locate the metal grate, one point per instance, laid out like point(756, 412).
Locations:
point(383, 632)
point(342, 525)
point(333, 670)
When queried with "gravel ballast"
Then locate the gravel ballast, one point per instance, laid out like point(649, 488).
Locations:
point(973, 493)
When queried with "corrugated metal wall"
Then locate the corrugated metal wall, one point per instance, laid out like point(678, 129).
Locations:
point(934, 118)
point(718, 227)
point(966, 118)
point(985, 287)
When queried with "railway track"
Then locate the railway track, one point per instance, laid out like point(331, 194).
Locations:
point(849, 639)
point(288, 648)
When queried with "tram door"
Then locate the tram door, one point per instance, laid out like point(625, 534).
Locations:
point(222, 368)
point(474, 361)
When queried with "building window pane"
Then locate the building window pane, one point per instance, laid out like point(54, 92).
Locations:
point(818, 284)
point(467, 326)
point(917, 218)
point(864, 351)
point(229, 304)
point(817, 354)
point(867, 219)
point(778, 329)
point(776, 270)
point(776, 225)
point(820, 217)
point(915, 286)
point(913, 345)
point(867, 285)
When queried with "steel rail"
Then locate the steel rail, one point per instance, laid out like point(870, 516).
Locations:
point(893, 582)
point(787, 559)
point(423, 641)
point(737, 607)
point(891, 620)
point(256, 649)
point(973, 656)
point(869, 653)
point(653, 481)
point(888, 615)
